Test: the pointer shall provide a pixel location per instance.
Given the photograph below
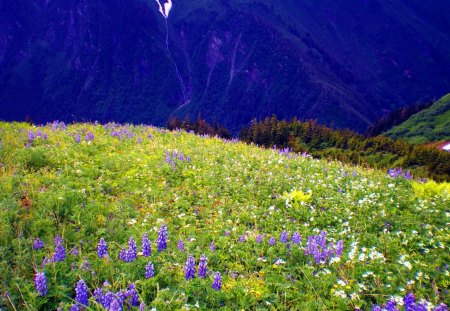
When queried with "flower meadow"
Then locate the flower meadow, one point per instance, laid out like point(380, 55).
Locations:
point(123, 217)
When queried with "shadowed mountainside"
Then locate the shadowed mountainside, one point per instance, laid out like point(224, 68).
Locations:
point(231, 60)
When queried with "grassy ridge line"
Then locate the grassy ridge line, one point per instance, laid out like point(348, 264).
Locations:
point(115, 189)
point(429, 125)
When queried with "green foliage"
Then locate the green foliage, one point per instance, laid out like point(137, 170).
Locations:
point(120, 185)
point(346, 146)
point(429, 125)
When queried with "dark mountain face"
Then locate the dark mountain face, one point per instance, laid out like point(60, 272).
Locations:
point(343, 63)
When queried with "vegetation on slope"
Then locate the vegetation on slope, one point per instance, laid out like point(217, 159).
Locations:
point(278, 230)
point(320, 141)
point(429, 125)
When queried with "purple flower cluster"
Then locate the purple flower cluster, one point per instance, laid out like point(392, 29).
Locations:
point(284, 237)
point(162, 238)
point(40, 282)
point(176, 156)
point(212, 246)
point(123, 299)
point(203, 267)
point(259, 238)
point(38, 244)
point(189, 270)
point(89, 136)
point(180, 245)
point(57, 125)
point(102, 249)
point(410, 304)
point(60, 251)
point(398, 172)
point(146, 246)
point(120, 132)
point(81, 291)
point(130, 254)
point(320, 250)
point(296, 238)
point(217, 281)
point(149, 270)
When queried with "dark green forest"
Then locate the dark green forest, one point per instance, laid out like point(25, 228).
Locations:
point(349, 147)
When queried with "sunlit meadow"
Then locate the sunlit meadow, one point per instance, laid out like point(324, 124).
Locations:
point(119, 217)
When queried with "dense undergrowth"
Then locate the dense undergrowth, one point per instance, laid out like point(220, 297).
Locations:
point(108, 216)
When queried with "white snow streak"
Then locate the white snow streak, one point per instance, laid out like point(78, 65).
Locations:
point(165, 9)
point(446, 147)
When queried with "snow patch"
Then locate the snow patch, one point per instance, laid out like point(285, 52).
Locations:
point(165, 8)
point(446, 147)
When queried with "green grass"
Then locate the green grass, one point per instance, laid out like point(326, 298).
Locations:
point(115, 189)
point(429, 125)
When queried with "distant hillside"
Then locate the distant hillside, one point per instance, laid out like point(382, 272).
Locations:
point(342, 63)
point(431, 124)
point(395, 118)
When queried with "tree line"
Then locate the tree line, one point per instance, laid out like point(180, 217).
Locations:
point(347, 146)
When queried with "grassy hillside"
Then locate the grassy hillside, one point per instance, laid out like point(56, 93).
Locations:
point(279, 231)
point(431, 124)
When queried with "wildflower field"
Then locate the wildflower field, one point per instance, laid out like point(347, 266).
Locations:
point(120, 217)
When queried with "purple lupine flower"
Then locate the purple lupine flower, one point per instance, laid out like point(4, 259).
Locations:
point(38, 244)
point(75, 307)
point(132, 294)
point(409, 302)
point(167, 156)
point(408, 175)
point(142, 307)
point(377, 308)
point(243, 238)
point(99, 296)
point(296, 238)
point(77, 138)
point(146, 246)
point(391, 305)
point(149, 270)
point(272, 241)
point(115, 305)
point(122, 254)
point(212, 246)
point(40, 282)
point(60, 251)
point(339, 248)
point(89, 136)
point(162, 238)
point(202, 267)
point(86, 265)
point(81, 293)
point(180, 245)
point(259, 238)
point(132, 250)
point(45, 136)
point(441, 307)
point(217, 281)
point(102, 249)
point(227, 233)
point(420, 307)
point(284, 237)
point(108, 298)
point(31, 136)
point(189, 272)
point(74, 251)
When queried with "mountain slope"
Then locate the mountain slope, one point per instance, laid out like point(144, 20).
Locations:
point(340, 63)
point(428, 125)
